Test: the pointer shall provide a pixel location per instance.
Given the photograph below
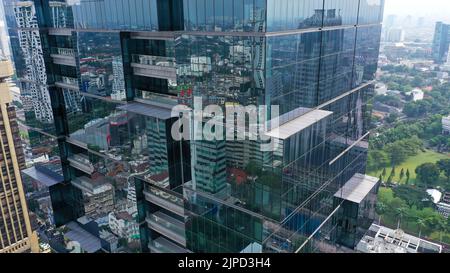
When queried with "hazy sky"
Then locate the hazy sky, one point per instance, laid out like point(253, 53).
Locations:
point(438, 8)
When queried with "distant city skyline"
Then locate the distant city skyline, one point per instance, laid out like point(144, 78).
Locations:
point(438, 9)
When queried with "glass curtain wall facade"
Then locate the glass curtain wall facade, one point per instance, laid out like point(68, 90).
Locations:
point(441, 42)
point(112, 71)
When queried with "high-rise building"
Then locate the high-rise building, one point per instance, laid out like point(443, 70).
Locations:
point(132, 61)
point(395, 35)
point(33, 70)
point(15, 228)
point(441, 42)
point(390, 21)
point(420, 22)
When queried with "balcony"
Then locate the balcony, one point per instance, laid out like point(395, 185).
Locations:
point(67, 52)
point(357, 188)
point(168, 101)
point(63, 56)
point(82, 163)
point(154, 67)
point(162, 245)
point(165, 200)
point(67, 83)
point(167, 226)
point(294, 122)
point(91, 186)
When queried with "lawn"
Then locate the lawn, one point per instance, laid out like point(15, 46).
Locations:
point(412, 163)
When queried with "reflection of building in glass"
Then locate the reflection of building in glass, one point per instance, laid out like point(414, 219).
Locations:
point(130, 69)
point(118, 88)
point(5, 49)
point(72, 100)
point(61, 15)
point(157, 145)
point(34, 88)
point(98, 195)
point(123, 225)
point(209, 166)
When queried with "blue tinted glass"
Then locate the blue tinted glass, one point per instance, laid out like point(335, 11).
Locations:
point(219, 14)
point(371, 11)
point(294, 14)
point(192, 6)
point(248, 15)
point(154, 14)
point(209, 14)
point(101, 65)
point(140, 24)
point(115, 14)
point(228, 22)
point(340, 12)
point(134, 13)
point(366, 54)
point(293, 70)
point(238, 15)
point(201, 14)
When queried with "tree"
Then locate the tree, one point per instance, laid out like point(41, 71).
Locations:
point(412, 195)
point(418, 81)
point(377, 159)
point(386, 195)
point(417, 108)
point(393, 172)
point(396, 203)
point(432, 126)
point(397, 154)
point(432, 219)
point(444, 166)
point(442, 227)
point(389, 180)
point(428, 174)
point(390, 100)
point(392, 118)
point(439, 140)
point(408, 176)
point(381, 209)
point(402, 174)
point(384, 173)
point(421, 223)
point(400, 212)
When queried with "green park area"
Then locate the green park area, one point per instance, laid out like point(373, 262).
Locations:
point(411, 164)
point(403, 207)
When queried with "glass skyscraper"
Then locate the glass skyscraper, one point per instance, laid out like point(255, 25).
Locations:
point(100, 79)
point(441, 42)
